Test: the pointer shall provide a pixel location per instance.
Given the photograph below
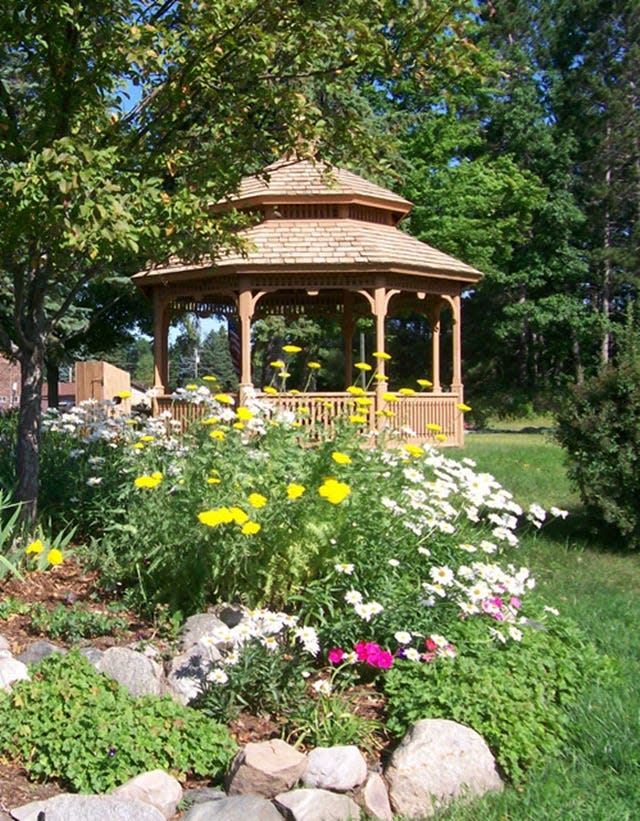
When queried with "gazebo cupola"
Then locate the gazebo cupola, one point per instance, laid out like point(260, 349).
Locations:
point(327, 241)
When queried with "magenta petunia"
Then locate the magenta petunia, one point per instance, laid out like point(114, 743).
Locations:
point(335, 655)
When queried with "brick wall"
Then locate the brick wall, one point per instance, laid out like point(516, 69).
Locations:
point(9, 384)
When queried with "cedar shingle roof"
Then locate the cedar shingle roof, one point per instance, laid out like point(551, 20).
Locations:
point(294, 181)
point(278, 244)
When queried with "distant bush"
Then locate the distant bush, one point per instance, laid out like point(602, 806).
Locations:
point(599, 428)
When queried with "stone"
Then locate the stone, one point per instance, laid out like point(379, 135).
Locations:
point(140, 675)
point(187, 672)
point(317, 805)
point(156, 787)
point(231, 616)
point(265, 768)
point(235, 808)
point(38, 650)
point(374, 798)
point(4, 643)
point(198, 795)
point(92, 654)
point(197, 627)
point(438, 760)
point(11, 670)
point(335, 768)
point(67, 807)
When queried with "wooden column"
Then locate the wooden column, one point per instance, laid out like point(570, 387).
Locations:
point(245, 313)
point(434, 323)
point(456, 383)
point(160, 343)
point(380, 302)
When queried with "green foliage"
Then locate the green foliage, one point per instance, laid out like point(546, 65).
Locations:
point(9, 553)
point(515, 695)
point(74, 622)
point(74, 724)
point(599, 428)
point(11, 606)
point(263, 681)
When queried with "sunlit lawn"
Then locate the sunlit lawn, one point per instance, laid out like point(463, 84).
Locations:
point(589, 576)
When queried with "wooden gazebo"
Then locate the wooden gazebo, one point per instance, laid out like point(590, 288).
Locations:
point(327, 241)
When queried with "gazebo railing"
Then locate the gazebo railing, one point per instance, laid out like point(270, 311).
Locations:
point(432, 417)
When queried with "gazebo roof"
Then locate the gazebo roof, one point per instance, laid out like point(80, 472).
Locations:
point(317, 219)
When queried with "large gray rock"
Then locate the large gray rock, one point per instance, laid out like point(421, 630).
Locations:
point(140, 675)
point(156, 787)
point(38, 650)
point(197, 627)
point(68, 807)
point(266, 768)
point(236, 808)
point(4, 643)
point(374, 798)
point(188, 671)
point(317, 805)
point(335, 768)
point(11, 670)
point(437, 761)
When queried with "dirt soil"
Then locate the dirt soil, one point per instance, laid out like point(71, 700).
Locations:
point(70, 583)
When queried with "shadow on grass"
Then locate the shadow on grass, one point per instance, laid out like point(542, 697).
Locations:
point(584, 530)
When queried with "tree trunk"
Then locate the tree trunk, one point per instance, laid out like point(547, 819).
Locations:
point(28, 445)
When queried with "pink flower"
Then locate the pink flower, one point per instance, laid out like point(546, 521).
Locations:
point(515, 602)
point(372, 654)
point(431, 645)
point(335, 655)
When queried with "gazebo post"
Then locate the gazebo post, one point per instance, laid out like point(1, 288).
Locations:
point(456, 382)
point(245, 313)
point(434, 324)
point(348, 327)
point(160, 343)
point(380, 302)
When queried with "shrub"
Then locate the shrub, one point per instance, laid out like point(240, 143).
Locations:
point(74, 724)
point(513, 694)
point(599, 428)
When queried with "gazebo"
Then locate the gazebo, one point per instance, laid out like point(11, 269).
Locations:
point(325, 241)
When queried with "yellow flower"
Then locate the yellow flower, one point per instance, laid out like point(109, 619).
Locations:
point(216, 516)
point(295, 491)
point(433, 427)
point(211, 420)
point(124, 394)
point(407, 391)
point(146, 438)
point(238, 515)
point(257, 500)
point(213, 480)
point(364, 402)
point(462, 407)
point(355, 390)
point(380, 377)
point(244, 414)
point(362, 366)
point(210, 378)
point(291, 349)
point(334, 491)
point(269, 389)
point(148, 481)
point(294, 391)
point(341, 458)
point(191, 386)
point(303, 411)
point(219, 435)
point(223, 398)
point(238, 425)
point(284, 374)
point(35, 547)
point(381, 355)
point(414, 450)
point(138, 446)
point(441, 437)
point(389, 397)
point(314, 365)
point(357, 419)
point(424, 383)
point(156, 475)
point(278, 363)
point(251, 528)
point(388, 413)
point(55, 557)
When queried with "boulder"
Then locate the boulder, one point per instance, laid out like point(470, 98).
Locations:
point(197, 627)
point(140, 675)
point(374, 798)
point(236, 808)
point(188, 671)
point(67, 807)
point(438, 760)
point(4, 643)
point(335, 768)
point(157, 788)
point(317, 805)
point(265, 768)
point(38, 650)
point(11, 670)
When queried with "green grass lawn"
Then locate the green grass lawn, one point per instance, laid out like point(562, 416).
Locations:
point(589, 577)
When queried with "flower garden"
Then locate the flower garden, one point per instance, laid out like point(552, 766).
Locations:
point(357, 561)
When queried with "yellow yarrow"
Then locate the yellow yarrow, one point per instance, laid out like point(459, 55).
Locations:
point(362, 366)
point(432, 426)
point(389, 397)
point(355, 390)
point(238, 515)
point(210, 378)
point(251, 528)
point(278, 363)
point(36, 547)
point(55, 557)
point(341, 458)
point(218, 435)
point(380, 377)
point(462, 407)
point(407, 391)
point(291, 348)
point(257, 500)
point(269, 389)
point(124, 394)
point(314, 365)
point(211, 420)
point(424, 383)
point(334, 491)
point(223, 399)
point(295, 491)
point(414, 450)
point(381, 355)
point(216, 516)
point(357, 419)
point(147, 481)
